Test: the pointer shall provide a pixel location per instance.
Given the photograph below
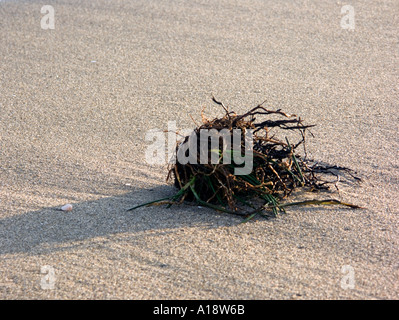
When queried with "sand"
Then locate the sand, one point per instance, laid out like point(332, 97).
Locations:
point(77, 101)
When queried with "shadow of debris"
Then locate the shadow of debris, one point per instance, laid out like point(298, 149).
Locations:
point(50, 229)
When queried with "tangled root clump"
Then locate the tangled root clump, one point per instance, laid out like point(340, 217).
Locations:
point(277, 170)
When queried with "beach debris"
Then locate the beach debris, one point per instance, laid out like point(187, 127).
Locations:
point(67, 207)
point(215, 178)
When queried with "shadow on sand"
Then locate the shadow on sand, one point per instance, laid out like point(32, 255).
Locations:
point(50, 229)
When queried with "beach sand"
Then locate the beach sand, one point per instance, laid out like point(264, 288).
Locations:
point(75, 105)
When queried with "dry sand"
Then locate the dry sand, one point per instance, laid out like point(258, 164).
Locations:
point(76, 102)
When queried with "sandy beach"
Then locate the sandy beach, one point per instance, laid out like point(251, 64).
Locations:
point(76, 102)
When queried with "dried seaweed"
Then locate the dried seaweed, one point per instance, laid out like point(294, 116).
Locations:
point(277, 168)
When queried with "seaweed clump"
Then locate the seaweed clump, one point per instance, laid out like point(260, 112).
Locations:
point(214, 175)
